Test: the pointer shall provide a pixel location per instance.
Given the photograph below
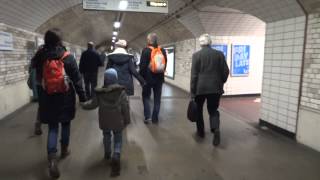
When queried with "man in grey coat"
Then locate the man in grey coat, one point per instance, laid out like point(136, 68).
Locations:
point(208, 74)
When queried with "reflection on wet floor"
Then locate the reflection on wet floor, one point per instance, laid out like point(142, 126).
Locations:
point(167, 151)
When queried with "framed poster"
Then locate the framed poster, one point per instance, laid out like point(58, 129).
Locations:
point(6, 41)
point(170, 71)
point(221, 47)
point(240, 60)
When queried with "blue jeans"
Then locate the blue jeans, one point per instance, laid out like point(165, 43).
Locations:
point(146, 94)
point(117, 142)
point(53, 136)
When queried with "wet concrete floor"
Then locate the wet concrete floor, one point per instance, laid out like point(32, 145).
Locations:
point(167, 151)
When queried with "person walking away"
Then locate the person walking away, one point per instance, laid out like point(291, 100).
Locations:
point(209, 72)
point(90, 61)
point(153, 64)
point(60, 78)
point(35, 86)
point(114, 116)
point(122, 62)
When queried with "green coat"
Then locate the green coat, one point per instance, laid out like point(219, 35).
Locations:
point(114, 112)
point(209, 72)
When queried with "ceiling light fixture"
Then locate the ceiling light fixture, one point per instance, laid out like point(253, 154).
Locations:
point(116, 24)
point(115, 33)
point(114, 38)
point(123, 5)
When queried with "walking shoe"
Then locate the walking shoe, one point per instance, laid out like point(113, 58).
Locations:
point(53, 166)
point(64, 151)
point(155, 121)
point(146, 121)
point(107, 156)
point(216, 139)
point(37, 129)
point(200, 134)
point(115, 165)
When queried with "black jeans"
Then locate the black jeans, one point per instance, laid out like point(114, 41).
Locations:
point(90, 82)
point(213, 101)
point(146, 94)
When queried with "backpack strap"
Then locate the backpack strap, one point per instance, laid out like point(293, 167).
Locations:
point(65, 54)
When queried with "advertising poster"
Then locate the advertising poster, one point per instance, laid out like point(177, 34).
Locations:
point(240, 60)
point(6, 41)
point(221, 47)
point(171, 62)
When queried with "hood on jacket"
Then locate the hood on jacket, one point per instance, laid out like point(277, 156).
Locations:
point(110, 94)
point(54, 53)
point(120, 56)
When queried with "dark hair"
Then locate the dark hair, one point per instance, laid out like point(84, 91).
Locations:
point(53, 38)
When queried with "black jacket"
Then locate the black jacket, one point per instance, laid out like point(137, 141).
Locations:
point(123, 63)
point(90, 61)
point(150, 77)
point(209, 72)
point(59, 107)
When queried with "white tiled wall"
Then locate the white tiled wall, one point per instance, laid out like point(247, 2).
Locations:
point(282, 70)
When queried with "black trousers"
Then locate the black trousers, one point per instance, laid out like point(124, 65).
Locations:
point(90, 82)
point(213, 102)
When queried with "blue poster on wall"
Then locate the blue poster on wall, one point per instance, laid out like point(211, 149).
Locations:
point(221, 47)
point(240, 60)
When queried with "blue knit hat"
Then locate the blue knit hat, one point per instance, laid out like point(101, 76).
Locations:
point(110, 77)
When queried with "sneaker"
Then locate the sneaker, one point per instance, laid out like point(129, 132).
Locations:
point(216, 139)
point(53, 166)
point(146, 121)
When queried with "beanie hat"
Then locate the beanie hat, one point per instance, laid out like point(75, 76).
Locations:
point(110, 77)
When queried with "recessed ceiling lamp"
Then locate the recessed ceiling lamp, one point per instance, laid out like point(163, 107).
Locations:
point(116, 24)
point(123, 5)
point(113, 41)
point(114, 38)
point(115, 33)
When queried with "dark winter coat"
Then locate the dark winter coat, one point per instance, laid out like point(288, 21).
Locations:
point(59, 107)
point(209, 72)
point(90, 61)
point(122, 62)
point(114, 112)
point(150, 77)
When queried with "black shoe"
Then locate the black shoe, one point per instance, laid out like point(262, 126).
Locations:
point(37, 129)
point(216, 139)
point(53, 166)
point(107, 156)
point(115, 167)
point(155, 121)
point(64, 151)
point(200, 134)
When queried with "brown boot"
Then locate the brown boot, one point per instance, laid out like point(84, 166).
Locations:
point(53, 166)
point(64, 151)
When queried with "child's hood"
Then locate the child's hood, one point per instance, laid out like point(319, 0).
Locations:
point(110, 94)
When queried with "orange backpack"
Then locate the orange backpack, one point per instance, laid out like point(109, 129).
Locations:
point(158, 61)
point(54, 76)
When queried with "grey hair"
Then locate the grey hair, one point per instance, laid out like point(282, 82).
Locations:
point(205, 40)
point(153, 39)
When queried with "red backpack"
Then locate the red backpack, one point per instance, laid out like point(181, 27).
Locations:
point(53, 77)
point(157, 61)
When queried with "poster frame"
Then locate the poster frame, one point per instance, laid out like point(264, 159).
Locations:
point(174, 60)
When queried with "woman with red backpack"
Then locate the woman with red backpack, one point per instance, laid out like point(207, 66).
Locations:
point(60, 79)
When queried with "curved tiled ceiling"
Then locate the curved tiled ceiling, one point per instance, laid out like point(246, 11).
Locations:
point(202, 16)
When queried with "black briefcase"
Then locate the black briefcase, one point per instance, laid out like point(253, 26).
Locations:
point(192, 111)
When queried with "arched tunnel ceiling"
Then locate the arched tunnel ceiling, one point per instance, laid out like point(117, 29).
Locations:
point(220, 17)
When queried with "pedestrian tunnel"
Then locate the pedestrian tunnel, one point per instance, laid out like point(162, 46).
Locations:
point(272, 93)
